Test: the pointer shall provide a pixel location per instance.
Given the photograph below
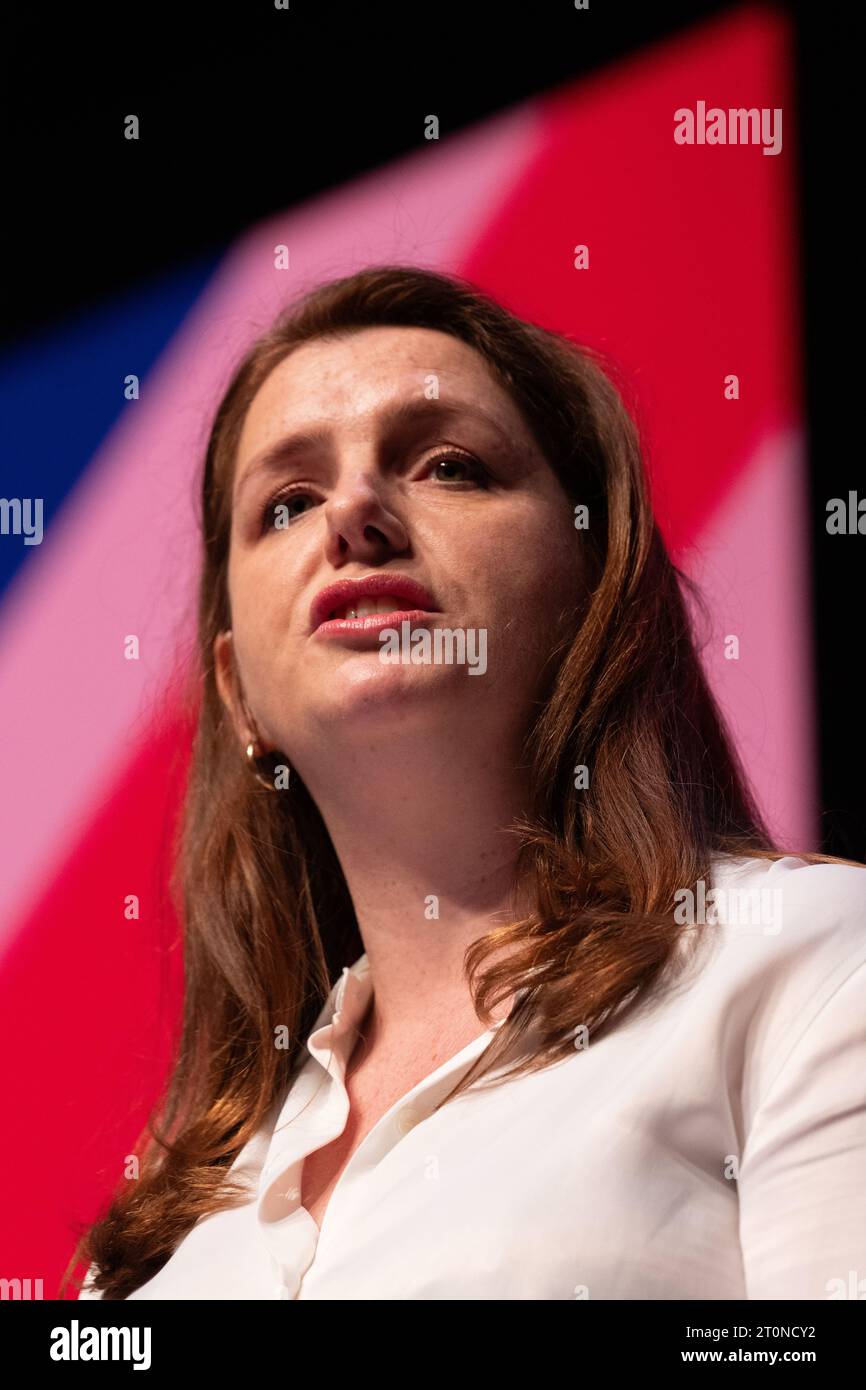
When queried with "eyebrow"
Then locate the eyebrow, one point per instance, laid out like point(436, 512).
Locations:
point(402, 414)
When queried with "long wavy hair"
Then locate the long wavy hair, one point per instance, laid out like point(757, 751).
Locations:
point(267, 918)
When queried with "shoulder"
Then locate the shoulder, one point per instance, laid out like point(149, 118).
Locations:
point(799, 910)
point(796, 1060)
point(87, 1291)
point(782, 950)
point(777, 915)
point(796, 877)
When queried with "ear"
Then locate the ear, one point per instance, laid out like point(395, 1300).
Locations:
point(224, 673)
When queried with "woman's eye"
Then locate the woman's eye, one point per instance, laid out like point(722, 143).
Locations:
point(473, 470)
point(286, 502)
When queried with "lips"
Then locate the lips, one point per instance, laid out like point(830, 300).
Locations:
point(346, 594)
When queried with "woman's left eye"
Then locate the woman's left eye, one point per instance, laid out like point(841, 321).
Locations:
point(477, 472)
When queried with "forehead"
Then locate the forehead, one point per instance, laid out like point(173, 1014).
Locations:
point(345, 380)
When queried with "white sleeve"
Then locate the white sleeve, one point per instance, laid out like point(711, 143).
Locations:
point(86, 1290)
point(802, 1181)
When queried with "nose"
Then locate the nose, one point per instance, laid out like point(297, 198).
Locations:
point(359, 521)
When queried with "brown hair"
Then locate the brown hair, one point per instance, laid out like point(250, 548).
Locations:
point(268, 920)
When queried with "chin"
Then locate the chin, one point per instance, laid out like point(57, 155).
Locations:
point(361, 686)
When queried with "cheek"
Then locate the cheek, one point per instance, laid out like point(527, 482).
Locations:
point(256, 615)
point(561, 550)
point(561, 569)
point(539, 562)
point(531, 603)
point(263, 586)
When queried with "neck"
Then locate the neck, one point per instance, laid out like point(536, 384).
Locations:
point(430, 866)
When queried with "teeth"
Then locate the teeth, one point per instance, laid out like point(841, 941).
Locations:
point(364, 607)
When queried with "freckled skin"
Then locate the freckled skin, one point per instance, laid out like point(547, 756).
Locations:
point(493, 559)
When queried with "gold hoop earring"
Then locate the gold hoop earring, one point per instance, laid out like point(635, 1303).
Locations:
point(254, 761)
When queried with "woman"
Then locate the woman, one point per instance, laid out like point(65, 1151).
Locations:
point(496, 987)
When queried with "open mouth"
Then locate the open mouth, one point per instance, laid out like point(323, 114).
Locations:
point(366, 607)
point(368, 598)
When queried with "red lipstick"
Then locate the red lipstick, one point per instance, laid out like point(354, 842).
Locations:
point(412, 601)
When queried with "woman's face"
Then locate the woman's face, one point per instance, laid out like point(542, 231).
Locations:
point(394, 451)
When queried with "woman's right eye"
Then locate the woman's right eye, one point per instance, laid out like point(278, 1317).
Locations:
point(282, 501)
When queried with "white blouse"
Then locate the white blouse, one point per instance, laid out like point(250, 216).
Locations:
point(711, 1146)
